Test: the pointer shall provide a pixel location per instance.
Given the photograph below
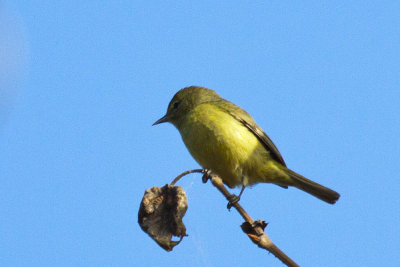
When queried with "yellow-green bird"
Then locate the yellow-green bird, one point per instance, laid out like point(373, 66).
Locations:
point(225, 139)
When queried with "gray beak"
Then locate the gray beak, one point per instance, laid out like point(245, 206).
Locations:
point(163, 119)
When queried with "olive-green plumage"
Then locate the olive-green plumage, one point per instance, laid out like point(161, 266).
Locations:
point(224, 138)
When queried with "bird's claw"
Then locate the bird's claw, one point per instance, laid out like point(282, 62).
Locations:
point(233, 199)
point(206, 175)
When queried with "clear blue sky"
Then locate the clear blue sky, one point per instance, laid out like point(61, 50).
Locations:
point(81, 82)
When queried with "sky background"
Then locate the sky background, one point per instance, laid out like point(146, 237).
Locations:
point(81, 83)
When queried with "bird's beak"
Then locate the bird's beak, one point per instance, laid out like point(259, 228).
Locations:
point(163, 119)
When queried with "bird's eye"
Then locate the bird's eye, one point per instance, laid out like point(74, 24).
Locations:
point(176, 104)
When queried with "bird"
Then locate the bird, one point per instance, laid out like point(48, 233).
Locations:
point(224, 139)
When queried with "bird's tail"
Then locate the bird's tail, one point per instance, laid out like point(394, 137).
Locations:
point(313, 188)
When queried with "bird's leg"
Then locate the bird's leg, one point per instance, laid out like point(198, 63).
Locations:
point(233, 199)
point(206, 175)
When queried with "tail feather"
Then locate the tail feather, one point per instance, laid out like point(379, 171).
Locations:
point(313, 188)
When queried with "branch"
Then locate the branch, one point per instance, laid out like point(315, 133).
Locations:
point(253, 229)
point(177, 178)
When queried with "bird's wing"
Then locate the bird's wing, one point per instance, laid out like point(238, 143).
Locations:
point(245, 118)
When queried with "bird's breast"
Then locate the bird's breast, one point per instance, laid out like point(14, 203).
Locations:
point(219, 142)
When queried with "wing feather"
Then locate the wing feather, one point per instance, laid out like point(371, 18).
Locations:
point(245, 118)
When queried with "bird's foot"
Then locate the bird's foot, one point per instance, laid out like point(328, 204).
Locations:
point(233, 199)
point(206, 175)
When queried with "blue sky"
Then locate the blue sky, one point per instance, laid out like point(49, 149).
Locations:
point(81, 82)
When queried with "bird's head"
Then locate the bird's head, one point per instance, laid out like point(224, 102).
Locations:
point(184, 101)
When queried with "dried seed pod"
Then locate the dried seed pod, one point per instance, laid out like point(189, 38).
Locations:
point(161, 212)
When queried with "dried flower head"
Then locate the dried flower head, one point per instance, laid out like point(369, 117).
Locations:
point(161, 212)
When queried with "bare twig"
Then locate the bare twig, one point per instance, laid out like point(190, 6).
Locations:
point(253, 229)
point(177, 178)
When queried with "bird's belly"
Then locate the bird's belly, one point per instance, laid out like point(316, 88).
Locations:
point(219, 142)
